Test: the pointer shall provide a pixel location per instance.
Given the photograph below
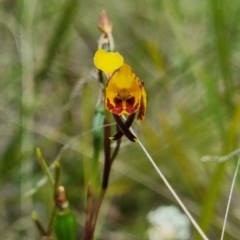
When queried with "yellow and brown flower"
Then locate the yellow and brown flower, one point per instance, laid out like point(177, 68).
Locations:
point(125, 93)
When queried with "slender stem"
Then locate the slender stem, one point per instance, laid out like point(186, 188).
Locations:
point(57, 167)
point(173, 193)
point(50, 225)
point(221, 158)
point(44, 166)
point(172, 190)
point(89, 214)
point(105, 42)
point(38, 224)
point(115, 152)
point(229, 199)
point(111, 41)
point(96, 211)
point(107, 155)
point(27, 101)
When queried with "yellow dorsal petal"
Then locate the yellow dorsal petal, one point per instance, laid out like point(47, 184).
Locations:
point(108, 62)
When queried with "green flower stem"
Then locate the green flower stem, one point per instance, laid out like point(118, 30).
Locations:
point(50, 225)
point(107, 154)
point(97, 144)
point(44, 166)
point(38, 224)
point(88, 234)
point(57, 167)
point(26, 53)
point(97, 209)
point(111, 42)
point(105, 42)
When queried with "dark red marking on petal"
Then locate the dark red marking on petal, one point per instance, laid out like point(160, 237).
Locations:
point(142, 110)
point(117, 109)
point(132, 109)
point(109, 106)
point(130, 101)
point(117, 101)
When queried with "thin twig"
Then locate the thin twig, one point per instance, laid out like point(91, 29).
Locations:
point(57, 178)
point(50, 225)
point(229, 199)
point(66, 146)
point(221, 158)
point(197, 227)
point(38, 224)
point(97, 208)
point(174, 193)
point(107, 155)
point(89, 214)
point(116, 149)
point(44, 166)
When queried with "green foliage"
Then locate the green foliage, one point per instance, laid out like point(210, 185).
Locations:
point(187, 53)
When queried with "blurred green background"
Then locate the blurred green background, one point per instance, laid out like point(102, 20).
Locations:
point(188, 55)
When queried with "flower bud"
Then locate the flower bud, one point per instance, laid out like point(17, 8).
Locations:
point(104, 24)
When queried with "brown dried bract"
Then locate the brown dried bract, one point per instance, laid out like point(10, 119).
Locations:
point(104, 23)
point(61, 200)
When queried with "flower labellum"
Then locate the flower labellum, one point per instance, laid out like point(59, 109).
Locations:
point(125, 93)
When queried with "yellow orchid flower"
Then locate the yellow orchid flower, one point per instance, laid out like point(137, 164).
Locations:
point(125, 93)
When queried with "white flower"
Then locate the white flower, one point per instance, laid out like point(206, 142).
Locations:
point(168, 223)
